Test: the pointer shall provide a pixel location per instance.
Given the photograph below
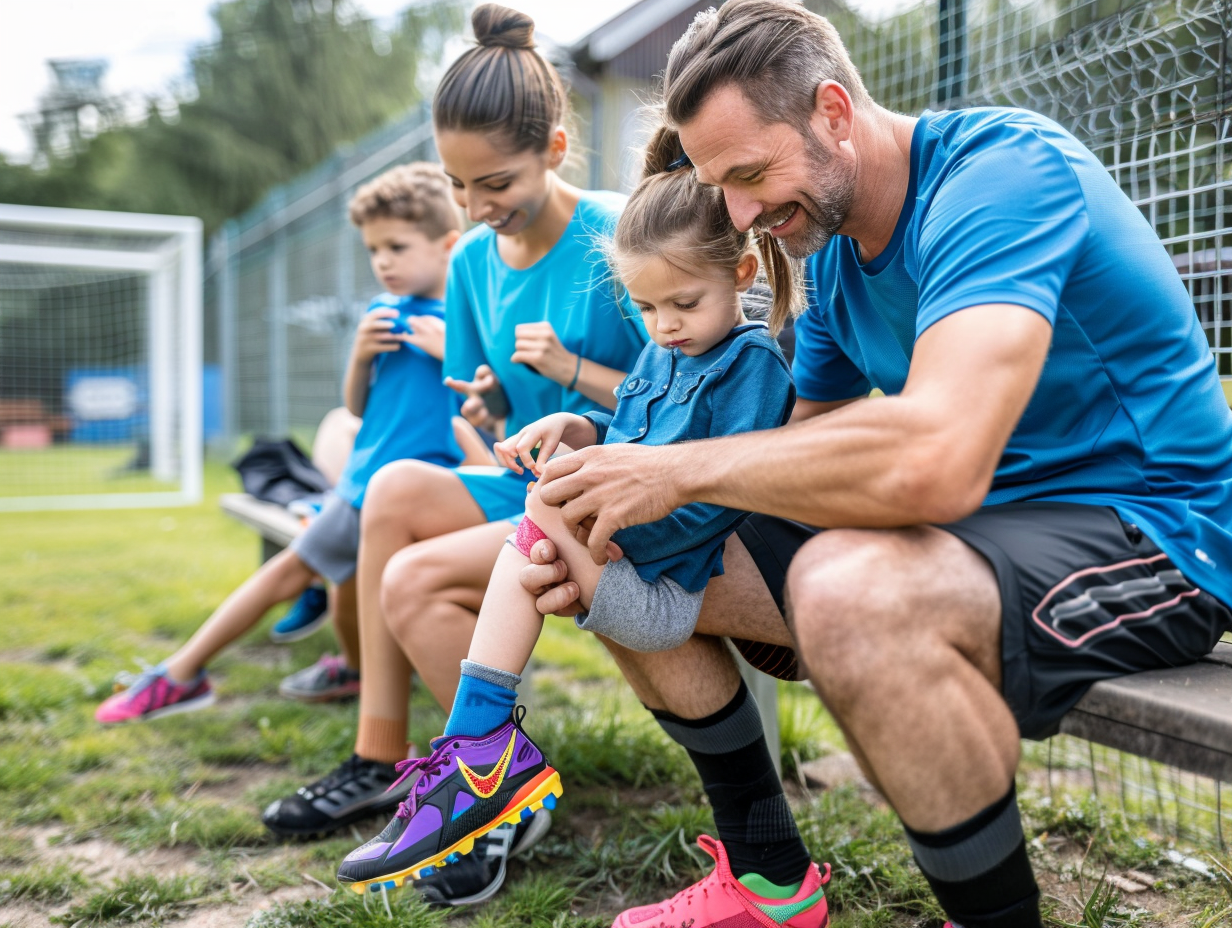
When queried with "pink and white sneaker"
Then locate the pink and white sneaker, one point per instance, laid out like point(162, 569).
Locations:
point(721, 901)
point(152, 694)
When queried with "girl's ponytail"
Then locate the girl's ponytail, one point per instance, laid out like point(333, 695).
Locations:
point(671, 212)
point(783, 274)
point(663, 153)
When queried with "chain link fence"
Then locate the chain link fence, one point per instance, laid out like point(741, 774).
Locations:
point(285, 286)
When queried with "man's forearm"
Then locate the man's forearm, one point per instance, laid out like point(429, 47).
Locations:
point(857, 467)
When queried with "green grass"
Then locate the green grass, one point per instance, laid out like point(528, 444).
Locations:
point(74, 470)
point(86, 594)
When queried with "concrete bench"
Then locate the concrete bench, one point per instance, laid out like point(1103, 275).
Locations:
point(274, 525)
point(1181, 716)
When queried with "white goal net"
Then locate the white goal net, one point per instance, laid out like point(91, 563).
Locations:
point(100, 359)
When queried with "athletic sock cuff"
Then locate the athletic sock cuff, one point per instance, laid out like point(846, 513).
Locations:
point(970, 848)
point(501, 678)
point(735, 726)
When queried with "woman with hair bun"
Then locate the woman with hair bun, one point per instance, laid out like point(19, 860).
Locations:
point(534, 327)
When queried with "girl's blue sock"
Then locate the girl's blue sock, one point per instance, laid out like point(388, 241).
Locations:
point(486, 696)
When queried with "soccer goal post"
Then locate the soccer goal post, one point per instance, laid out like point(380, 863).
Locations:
point(100, 359)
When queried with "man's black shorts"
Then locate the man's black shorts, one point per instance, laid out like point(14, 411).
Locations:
point(1084, 596)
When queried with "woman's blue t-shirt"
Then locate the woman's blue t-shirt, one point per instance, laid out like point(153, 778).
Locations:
point(1005, 206)
point(569, 287)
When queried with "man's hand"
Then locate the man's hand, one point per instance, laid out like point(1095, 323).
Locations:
point(544, 578)
point(475, 410)
point(615, 486)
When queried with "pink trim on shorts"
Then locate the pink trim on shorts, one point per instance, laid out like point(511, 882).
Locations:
point(528, 534)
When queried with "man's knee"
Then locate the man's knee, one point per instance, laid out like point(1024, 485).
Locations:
point(847, 604)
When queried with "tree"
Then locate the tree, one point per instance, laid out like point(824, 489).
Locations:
point(282, 86)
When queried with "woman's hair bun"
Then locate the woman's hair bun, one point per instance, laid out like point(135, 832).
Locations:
point(499, 26)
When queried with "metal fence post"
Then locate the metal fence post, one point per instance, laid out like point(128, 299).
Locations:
point(278, 401)
point(228, 284)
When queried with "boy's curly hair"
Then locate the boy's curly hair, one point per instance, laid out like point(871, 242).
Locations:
point(418, 193)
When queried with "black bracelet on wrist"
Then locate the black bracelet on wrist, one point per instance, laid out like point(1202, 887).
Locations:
point(576, 374)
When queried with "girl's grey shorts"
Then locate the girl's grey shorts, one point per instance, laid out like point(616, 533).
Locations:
point(642, 616)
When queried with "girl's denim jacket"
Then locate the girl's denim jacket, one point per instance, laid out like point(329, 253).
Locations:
point(742, 384)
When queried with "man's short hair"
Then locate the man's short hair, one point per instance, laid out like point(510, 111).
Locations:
point(775, 51)
point(418, 193)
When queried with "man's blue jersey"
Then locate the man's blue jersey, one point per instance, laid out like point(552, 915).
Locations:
point(1005, 206)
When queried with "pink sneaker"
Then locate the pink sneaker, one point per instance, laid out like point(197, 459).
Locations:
point(152, 694)
point(721, 900)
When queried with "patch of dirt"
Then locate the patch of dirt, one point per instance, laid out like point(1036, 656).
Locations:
point(1062, 859)
point(104, 861)
point(236, 915)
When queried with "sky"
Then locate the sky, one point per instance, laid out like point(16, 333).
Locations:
point(147, 43)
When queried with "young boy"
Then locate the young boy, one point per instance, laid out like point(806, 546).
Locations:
point(409, 224)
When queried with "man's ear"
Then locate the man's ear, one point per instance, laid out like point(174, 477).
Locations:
point(833, 113)
point(746, 272)
point(558, 147)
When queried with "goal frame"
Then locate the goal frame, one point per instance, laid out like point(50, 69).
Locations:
point(169, 363)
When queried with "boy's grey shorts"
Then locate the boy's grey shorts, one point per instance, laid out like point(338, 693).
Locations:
point(330, 543)
point(642, 616)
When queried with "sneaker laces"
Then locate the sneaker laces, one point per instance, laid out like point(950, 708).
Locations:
point(134, 683)
point(349, 769)
point(428, 767)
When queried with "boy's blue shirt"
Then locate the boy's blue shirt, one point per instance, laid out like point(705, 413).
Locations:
point(742, 384)
point(409, 411)
point(569, 287)
point(1005, 206)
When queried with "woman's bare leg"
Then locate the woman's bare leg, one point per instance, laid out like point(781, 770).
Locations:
point(431, 596)
point(406, 502)
point(282, 577)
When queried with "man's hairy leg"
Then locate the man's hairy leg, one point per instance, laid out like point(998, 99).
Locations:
point(901, 633)
point(900, 630)
point(696, 694)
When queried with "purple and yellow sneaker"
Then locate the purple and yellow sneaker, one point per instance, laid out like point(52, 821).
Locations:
point(466, 788)
point(152, 694)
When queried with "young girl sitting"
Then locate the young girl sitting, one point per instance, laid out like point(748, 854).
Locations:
point(709, 372)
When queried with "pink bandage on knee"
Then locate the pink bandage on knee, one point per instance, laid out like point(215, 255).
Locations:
point(528, 534)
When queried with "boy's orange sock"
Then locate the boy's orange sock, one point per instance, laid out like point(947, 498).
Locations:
point(382, 740)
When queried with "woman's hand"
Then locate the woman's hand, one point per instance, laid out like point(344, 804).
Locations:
point(545, 434)
point(536, 346)
point(427, 333)
point(475, 410)
point(374, 335)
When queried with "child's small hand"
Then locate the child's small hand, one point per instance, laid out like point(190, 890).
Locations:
point(475, 410)
point(544, 434)
point(374, 334)
point(427, 333)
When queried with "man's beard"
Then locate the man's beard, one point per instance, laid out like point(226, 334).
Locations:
point(825, 201)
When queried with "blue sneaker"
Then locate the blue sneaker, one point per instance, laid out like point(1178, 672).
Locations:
point(306, 615)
